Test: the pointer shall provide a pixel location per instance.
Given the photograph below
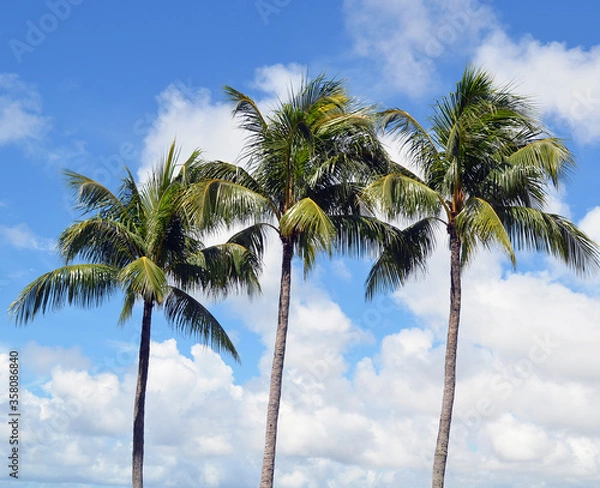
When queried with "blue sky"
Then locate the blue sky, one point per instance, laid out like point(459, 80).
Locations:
point(92, 86)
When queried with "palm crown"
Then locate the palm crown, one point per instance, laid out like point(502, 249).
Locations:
point(142, 242)
point(484, 169)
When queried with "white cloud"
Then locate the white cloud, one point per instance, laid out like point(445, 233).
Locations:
point(406, 38)
point(590, 224)
point(526, 397)
point(22, 237)
point(562, 80)
point(20, 111)
point(279, 80)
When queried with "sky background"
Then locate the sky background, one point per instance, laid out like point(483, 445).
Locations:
point(94, 86)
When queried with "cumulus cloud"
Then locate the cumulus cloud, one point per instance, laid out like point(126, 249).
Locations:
point(525, 409)
point(562, 80)
point(21, 118)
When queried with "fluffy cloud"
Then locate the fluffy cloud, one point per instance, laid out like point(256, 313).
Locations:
point(562, 80)
point(20, 111)
point(525, 414)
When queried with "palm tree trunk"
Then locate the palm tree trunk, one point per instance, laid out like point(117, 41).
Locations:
point(137, 475)
point(443, 439)
point(268, 467)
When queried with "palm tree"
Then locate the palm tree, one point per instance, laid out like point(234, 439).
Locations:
point(484, 171)
point(306, 163)
point(140, 241)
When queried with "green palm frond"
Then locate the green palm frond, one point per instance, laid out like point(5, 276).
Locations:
point(221, 269)
point(398, 194)
point(549, 155)
point(306, 217)
point(84, 285)
point(216, 202)
point(128, 304)
point(532, 229)
point(93, 196)
point(404, 256)
point(247, 110)
point(253, 238)
point(411, 134)
point(144, 278)
point(100, 240)
point(190, 317)
point(362, 235)
point(478, 223)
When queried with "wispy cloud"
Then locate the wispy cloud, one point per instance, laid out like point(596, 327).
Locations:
point(405, 39)
point(21, 118)
point(22, 237)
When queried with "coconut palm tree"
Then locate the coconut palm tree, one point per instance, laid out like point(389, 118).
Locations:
point(306, 162)
point(483, 170)
point(141, 242)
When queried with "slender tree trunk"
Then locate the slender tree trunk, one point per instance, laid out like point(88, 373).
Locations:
point(137, 475)
point(443, 439)
point(268, 467)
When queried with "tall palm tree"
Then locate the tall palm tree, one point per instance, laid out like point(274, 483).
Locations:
point(141, 242)
point(306, 163)
point(484, 168)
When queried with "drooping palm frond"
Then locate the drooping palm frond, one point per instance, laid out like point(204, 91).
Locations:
point(398, 194)
point(221, 202)
point(533, 229)
point(220, 269)
point(362, 236)
point(253, 238)
point(129, 300)
point(548, 155)
point(83, 285)
point(478, 223)
point(413, 137)
point(247, 110)
point(404, 256)
point(190, 317)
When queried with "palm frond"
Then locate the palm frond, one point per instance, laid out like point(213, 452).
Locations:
point(100, 240)
point(533, 229)
point(84, 285)
point(478, 223)
point(406, 255)
point(190, 317)
point(144, 278)
point(217, 202)
point(93, 196)
point(306, 217)
point(398, 194)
